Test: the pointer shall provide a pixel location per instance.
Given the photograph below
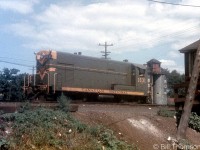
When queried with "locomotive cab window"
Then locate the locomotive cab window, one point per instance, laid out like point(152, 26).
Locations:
point(141, 72)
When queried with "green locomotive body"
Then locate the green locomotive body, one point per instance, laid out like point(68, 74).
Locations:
point(81, 76)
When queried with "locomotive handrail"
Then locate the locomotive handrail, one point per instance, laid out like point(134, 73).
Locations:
point(47, 82)
point(24, 83)
point(28, 81)
point(34, 78)
point(54, 78)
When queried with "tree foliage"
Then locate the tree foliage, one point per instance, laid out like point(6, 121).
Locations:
point(11, 84)
point(174, 77)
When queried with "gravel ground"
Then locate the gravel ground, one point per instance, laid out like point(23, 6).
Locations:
point(135, 124)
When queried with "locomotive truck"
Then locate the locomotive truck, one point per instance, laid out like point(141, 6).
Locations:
point(83, 77)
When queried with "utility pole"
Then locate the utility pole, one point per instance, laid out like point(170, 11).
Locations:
point(181, 133)
point(106, 53)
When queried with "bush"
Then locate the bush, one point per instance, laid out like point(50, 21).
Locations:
point(194, 122)
point(64, 103)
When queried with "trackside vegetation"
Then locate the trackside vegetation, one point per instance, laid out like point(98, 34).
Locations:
point(11, 85)
point(54, 129)
point(194, 121)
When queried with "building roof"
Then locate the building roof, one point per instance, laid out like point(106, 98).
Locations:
point(155, 61)
point(192, 47)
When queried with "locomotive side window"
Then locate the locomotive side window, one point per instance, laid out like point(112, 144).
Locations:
point(133, 76)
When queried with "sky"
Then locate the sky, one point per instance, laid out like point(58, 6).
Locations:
point(140, 30)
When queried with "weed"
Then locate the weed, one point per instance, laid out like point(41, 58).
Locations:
point(2, 127)
point(4, 144)
point(111, 142)
point(64, 103)
point(95, 131)
point(24, 107)
point(1, 112)
point(8, 117)
point(80, 127)
point(166, 113)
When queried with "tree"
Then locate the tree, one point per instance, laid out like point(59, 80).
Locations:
point(11, 84)
point(174, 77)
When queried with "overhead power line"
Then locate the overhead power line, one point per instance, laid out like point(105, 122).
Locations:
point(167, 28)
point(16, 63)
point(168, 3)
point(16, 59)
point(157, 39)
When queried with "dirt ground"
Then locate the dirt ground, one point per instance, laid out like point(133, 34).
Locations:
point(138, 125)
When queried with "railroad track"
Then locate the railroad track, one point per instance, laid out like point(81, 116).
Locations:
point(10, 107)
point(119, 103)
point(14, 106)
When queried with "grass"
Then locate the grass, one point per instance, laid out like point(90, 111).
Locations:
point(166, 113)
point(48, 129)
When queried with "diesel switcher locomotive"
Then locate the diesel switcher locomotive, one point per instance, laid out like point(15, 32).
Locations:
point(79, 76)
